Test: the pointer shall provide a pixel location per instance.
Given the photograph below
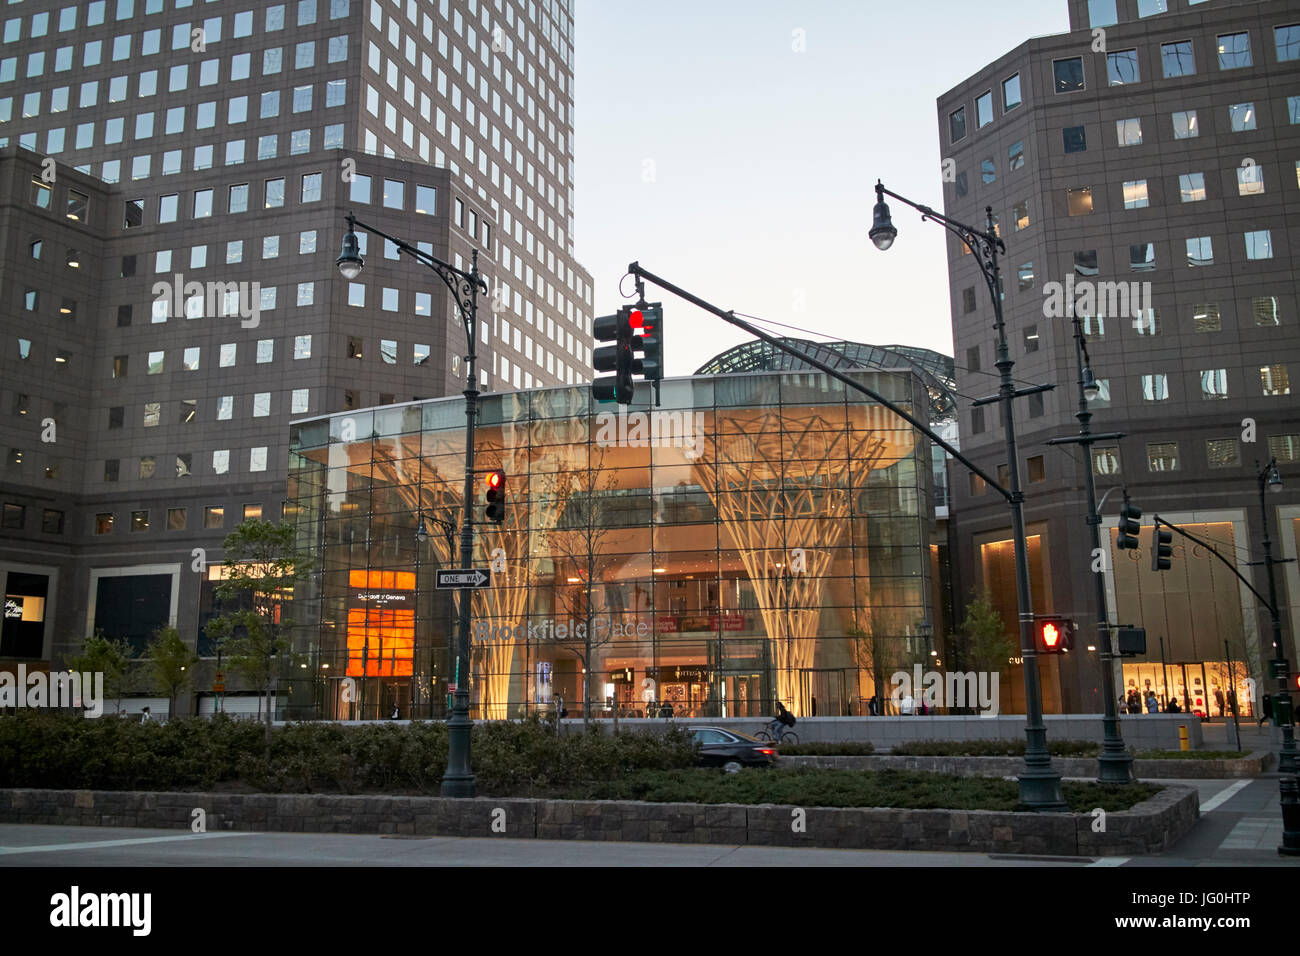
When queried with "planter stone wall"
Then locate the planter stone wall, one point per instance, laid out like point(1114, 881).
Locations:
point(1150, 827)
point(1084, 768)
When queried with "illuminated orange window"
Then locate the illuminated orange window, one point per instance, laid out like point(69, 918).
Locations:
point(381, 642)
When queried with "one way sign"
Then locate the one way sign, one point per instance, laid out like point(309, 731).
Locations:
point(463, 578)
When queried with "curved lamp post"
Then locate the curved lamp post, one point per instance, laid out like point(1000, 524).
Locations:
point(1270, 480)
point(1040, 784)
point(465, 288)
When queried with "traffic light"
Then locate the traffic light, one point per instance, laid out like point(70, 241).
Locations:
point(652, 342)
point(1129, 525)
point(1162, 549)
point(496, 496)
point(616, 357)
point(1054, 635)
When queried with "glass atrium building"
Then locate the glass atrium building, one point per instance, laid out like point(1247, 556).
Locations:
point(758, 537)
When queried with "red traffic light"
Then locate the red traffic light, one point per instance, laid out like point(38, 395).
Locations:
point(635, 319)
point(1055, 635)
point(494, 479)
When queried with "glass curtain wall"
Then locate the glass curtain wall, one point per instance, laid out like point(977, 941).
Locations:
point(757, 538)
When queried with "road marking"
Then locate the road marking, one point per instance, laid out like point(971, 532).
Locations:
point(100, 844)
point(1110, 861)
point(1223, 796)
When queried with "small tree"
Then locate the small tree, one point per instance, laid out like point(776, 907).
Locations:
point(985, 641)
point(171, 664)
point(262, 565)
point(113, 659)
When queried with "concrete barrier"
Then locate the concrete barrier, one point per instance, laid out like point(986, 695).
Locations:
point(1078, 768)
point(1150, 827)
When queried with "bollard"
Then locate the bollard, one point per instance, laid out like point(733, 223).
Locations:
point(1184, 743)
point(1290, 791)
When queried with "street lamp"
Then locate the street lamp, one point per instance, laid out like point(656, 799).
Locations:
point(458, 781)
point(1270, 479)
point(1040, 784)
point(1116, 764)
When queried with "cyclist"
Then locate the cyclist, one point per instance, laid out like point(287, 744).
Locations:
point(783, 718)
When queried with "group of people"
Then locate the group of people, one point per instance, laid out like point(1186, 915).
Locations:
point(908, 706)
point(1133, 704)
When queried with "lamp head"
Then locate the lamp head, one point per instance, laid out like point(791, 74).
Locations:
point(1090, 387)
point(1274, 479)
point(882, 232)
point(350, 261)
point(422, 530)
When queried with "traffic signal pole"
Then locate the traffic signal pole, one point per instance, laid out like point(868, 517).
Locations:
point(1115, 765)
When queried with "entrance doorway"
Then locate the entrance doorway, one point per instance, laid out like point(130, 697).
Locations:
point(825, 692)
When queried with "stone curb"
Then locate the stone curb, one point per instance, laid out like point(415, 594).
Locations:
point(1084, 768)
point(1150, 827)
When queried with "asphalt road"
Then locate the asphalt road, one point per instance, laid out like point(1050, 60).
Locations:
point(1241, 825)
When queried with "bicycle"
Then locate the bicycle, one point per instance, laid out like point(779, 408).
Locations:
point(787, 736)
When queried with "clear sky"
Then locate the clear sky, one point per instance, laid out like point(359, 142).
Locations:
point(720, 156)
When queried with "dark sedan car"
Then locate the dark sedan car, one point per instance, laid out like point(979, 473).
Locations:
point(731, 750)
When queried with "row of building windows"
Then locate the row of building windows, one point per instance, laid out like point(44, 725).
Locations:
point(214, 517)
point(242, 24)
point(1177, 59)
point(1161, 457)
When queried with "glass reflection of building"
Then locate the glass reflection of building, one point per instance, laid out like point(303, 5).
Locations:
point(758, 537)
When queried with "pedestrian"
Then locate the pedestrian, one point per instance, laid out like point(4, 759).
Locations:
point(667, 709)
point(1123, 706)
point(395, 711)
point(1218, 700)
point(1153, 705)
point(907, 707)
point(1265, 709)
point(873, 707)
point(1173, 706)
point(145, 715)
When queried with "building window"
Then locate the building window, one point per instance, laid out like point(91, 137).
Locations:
point(956, 132)
point(1265, 309)
point(14, 516)
point(1223, 453)
point(221, 461)
point(51, 521)
point(1135, 194)
point(1274, 380)
point(973, 359)
point(1068, 74)
point(1030, 339)
point(1103, 394)
point(1185, 125)
point(1025, 276)
point(1259, 244)
point(1011, 93)
point(1085, 263)
point(977, 421)
point(1102, 13)
point(354, 347)
point(988, 172)
point(1200, 252)
point(1094, 327)
point(1287, 40)
point(104, 523)
point(1242, 117)
point(1075, 139)
point(1079, 200)
point(1177, 59)
point(1285, 448)
point(112, 468)
point(1105, 460)
point(1122, 67)
point(1250, 180)
point(1036, 405)
point(1128, 132)
point(214, 516)
point(1206, 318)
point(1214, 384)
point(1234, 51)
point(1162, 456)
point(968, 300)
point(176, 519)
point(1016, 156)
point(984, 109)
point(1191, 187)
point(1155, 388)
point(1142, 257)
point(1035, 469)
point(139, 520)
